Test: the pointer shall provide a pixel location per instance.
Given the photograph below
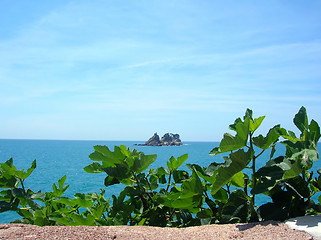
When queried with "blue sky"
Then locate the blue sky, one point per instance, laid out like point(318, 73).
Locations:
point(122, 70)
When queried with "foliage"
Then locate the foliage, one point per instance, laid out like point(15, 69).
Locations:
point(167, 196)
point(48, 208)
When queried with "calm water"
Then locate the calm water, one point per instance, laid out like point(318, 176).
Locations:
point(58, 158)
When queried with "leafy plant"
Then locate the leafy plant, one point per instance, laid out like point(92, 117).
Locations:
point(48, 208)
point(243, 150)
point(139, 203)
point(167, 196)
point(287, 179)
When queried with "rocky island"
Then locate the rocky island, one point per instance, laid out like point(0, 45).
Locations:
point(169, 139)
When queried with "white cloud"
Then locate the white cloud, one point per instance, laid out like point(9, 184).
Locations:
point(139, 59)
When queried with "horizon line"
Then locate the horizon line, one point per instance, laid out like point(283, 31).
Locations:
point(48, 139)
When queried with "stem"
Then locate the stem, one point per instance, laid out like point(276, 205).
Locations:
point(309, 182)
point(169, 181)
point(245, 185)
point(253, 168)
point(228, 189)
point(205, 194)
point(150, 187)
point(104, 217)
point(22, 185)
point(260, 153)
point(140, 189)
point(137, 181)
point(150, 197)
point(171, 214)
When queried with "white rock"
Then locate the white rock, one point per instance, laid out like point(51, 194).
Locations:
point(310, 224)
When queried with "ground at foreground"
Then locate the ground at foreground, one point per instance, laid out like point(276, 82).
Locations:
point(266, 230)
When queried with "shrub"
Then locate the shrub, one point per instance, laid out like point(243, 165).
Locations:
point(167, 196)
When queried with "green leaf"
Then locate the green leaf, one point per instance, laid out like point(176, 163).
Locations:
point(179, 176)
point(31, 169)
point(26, 214)
point(23, 175)
point(83, 221)
point(111, 181)
point(8, 169)
point(273, 150)
point(57, 192)
point(7, 180)
point(211, 204)
point(301, 161)
point(25, 198)
point(254, 124)
point(74, 219)
point(189, 198)
point(231, 143)
point(221, 195)
point(62, 220)
point(278, 169)
point(107, 157)
point(121, 165)
point(143, 162)
point(298, 187)
point(215, 151)
point(207, 173)
point(39, 218)
point(234, 164)
point(271, 138)
point(288, 135)
point(99, 210)
point(11, 206)
point(6, 195)
point(153, 180)
point(301, 120)
point(314, 131)
point(269, 176)
point(160, 173)
point(94, 167)
point(236, 209)
point(54, 188)
point(10, 163)
point(83, 200)
point(174, 164)
point(205, 213)
point(38, 196)
point(79, 200)
point(120, 172)
point(273, 211)
point(237, 180)
point(61, 182)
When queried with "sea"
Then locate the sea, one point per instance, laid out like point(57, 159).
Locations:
point(56, 158)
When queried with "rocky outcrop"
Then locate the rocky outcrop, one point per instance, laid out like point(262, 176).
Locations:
point(153, 141)
point(169, 139)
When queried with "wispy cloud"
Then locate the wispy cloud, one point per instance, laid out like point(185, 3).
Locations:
point(150, 62)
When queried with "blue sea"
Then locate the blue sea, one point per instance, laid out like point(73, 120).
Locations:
point(56, 158)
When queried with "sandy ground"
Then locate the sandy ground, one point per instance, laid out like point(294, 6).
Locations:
point(265, 230)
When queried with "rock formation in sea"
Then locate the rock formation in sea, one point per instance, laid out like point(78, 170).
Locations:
point(169, 139)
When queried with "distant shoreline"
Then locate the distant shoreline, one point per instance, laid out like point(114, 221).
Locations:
point(94, 140)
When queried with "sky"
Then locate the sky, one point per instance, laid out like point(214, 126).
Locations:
point(122, 70)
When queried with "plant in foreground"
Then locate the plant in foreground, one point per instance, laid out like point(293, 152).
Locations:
point(168, 196)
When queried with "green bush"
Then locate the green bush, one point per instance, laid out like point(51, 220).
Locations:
point(167, 196)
